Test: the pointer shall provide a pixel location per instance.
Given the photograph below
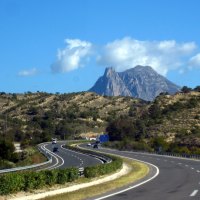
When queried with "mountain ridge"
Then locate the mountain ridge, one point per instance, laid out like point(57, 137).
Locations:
point(139, 82)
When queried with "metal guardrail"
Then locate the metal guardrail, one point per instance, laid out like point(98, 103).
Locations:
point(88, 152)
point(193, 156)
point(30, 166)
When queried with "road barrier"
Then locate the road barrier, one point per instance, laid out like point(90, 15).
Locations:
point(190, 156)
point(100, 156)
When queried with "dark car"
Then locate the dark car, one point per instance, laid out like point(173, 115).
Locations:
point(95, 146)
point(55, 149)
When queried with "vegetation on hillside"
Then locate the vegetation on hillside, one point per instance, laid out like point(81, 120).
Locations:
point(174, 120)
point(169, 123)
point(32, 118)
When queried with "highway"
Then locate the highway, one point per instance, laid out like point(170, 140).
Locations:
point(176, 179)
point(64, 158)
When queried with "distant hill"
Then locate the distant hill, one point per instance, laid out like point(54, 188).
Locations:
point(175, 118)
point(37, 117)
point(139, 82)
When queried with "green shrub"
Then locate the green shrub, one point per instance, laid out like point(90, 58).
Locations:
point(67, 175)
point(10, 183)
point(26, 181)
point(98, 170)
point(51, 177)
point(30, 180)
point(73, 174)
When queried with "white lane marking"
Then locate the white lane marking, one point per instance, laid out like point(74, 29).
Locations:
point(186, 165)
point(43, 147)
point(56, 157)
point(180, 163)
point(198, 171)
point(192, 168)
point(137, 185)
point(82, 154)
point(194, 193)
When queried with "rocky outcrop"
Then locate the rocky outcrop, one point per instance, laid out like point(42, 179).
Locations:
point(140, 82)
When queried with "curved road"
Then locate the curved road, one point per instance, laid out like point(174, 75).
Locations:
point(65, 158)
point(178, 179)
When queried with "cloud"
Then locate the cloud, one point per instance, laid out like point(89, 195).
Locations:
point(30, 72)
point(195, 61)
point(72, 56)
point(163, 56)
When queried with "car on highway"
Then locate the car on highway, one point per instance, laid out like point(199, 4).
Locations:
point(55, 149)
point(95, 146)
point(89, 144)
point(54, 141)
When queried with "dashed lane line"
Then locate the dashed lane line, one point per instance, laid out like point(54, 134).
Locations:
point(194, 193)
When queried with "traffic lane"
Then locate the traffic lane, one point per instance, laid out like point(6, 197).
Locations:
point(72, 158)
point(69, 159)
point(84, 159)
point(175, 181)
point(57, 161)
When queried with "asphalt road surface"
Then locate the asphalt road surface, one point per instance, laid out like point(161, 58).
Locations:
point(177, 179)
point(65, 158)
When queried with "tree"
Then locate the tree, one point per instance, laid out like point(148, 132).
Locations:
point(186, 89)
point(159, 144)
point(33, 111)
point(7, 149)
point(120, 129)
point(155, 111)
point(197, 89)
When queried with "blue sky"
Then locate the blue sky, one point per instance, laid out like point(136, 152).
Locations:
point(65, 45)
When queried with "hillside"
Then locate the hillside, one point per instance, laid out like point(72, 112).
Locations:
point(36, 117)
point(175, 119)
point(178, 118)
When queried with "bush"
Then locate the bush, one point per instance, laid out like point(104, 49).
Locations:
point(51, 177)
point(66, 175)
point(26, 181)
point(10, 183)
point(98, 170)
point(30, 180)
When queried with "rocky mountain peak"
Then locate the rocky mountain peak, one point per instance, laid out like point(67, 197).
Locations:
point(140, 82)
point(109, 71)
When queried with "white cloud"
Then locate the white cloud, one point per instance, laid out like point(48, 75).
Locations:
point(29, 72)
point(72, 56)
point(161, 55)
point(195, 61)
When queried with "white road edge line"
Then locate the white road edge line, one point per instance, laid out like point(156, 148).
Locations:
point(81, 153)
point(43, 147)
point(55, 156)
point(137, 185)
point(194, 193)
